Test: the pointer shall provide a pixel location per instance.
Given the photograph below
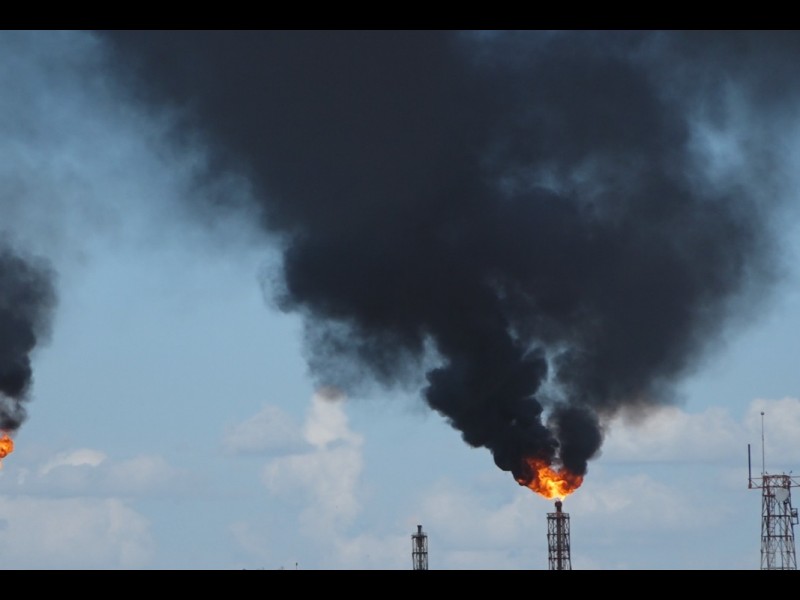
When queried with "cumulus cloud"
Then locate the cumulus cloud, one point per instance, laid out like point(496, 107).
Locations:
point(781, 430)
point(73, 458)
point(641, 502)
point(672, 435)
point(322, 480)
point(464, 517)
point(89, 472)
point(144, 474)
point(76, 510)
point(76, 533)
point(327, 421)
point(270, 431)
point(328, 475)
point(370, 551)
point(253, 541)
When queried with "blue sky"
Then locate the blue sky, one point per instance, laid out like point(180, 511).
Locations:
point(174, 425)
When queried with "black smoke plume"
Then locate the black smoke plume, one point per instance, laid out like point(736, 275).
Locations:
point(27, 300)
point(541, 221)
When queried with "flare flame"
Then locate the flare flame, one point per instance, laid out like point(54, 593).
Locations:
point(539, 476)
point(6, 447)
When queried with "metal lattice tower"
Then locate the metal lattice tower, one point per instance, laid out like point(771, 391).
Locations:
point(558, 540)
point(419, 550)
point(778, 518)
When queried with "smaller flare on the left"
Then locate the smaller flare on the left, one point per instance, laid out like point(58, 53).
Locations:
point(6, 447)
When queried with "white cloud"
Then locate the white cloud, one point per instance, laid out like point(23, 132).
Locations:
point(73, 458)
point(255, 543)
point(271, 430)
point(74, 533)
point(142, 474)
point(327, 421)
point(463, 518)
point(473, 531)
point(325, 478)
point(369, 551)
point(670, 434)
point(322, 481)
point(639, 501)
point(318, 469)
point(495, 560)
point(781, 432)
point(89, 472)
point(67, 511)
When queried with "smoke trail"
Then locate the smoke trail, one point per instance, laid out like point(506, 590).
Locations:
point(27, 299)
point(540, 221)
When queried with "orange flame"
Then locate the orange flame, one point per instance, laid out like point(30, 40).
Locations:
point(549, 482)
point(6, 447)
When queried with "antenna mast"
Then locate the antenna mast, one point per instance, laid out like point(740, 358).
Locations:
point(778, 518)
point(763, 453)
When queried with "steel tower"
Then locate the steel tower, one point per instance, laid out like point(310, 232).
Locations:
point(558, 540)
point(419, 550)
point(778, 518)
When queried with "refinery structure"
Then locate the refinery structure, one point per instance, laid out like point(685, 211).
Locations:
point(778, 518)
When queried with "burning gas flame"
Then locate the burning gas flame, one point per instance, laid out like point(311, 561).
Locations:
point(6, 447)
point(548, 482)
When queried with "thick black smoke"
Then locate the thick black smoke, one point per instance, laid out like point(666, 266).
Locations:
point(27, 299)
point(543, 215)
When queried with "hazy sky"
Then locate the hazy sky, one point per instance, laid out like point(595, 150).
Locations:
point(176, 418)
